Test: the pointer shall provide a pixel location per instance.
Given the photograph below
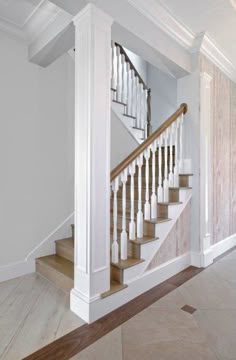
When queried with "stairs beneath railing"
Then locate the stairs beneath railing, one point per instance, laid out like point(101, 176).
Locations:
point(59, 268)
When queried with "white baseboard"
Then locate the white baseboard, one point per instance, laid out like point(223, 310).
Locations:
point(207, 257)
point(15, 270)
point(44, 248)
point(94, 310)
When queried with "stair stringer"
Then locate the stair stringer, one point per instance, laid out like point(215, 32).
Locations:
point(162, 230)
point(128, 122)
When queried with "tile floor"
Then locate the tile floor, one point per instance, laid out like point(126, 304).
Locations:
point(33, 313)
point(165, 332)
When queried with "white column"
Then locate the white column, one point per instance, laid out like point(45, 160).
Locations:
point(205, 168)
point(92, 159)
point(113, 81)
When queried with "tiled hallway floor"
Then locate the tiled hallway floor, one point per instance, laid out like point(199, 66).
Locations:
point(33, 313)
point(165, 332)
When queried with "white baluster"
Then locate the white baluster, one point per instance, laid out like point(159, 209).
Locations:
point(137, 101)
point(140, 213)
point(147, 208)
point(113, 81)
point(132, 107)
point(123, 237)
point(118, 89)
point(165, 183)
point(171, 175)
point(181, 144)
point(154, 197)
point(160, 188)
point(123, 78)
point(115, 246)
point(141, 108)
point(132, 222)
point(176, 168)
point(128, 89)
point(145, 114)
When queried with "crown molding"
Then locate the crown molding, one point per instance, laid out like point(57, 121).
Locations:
point(216, 55)
point(193, 43)
point(162, 18)
point(38, 21)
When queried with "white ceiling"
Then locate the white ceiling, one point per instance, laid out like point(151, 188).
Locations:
point(217, 17)
point(18, 12)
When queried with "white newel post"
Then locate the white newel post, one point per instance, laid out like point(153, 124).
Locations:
point(92, 159)
point(205, 170)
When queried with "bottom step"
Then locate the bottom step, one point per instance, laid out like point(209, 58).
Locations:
point(115, 287)
point(58, 270)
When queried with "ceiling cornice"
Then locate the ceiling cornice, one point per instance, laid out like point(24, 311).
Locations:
point(202, 43)
point(38, 21)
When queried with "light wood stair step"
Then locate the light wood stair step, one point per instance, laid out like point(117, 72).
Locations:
point(125, 264)
point(65, 248)
point(115, 287)
point(58, 270)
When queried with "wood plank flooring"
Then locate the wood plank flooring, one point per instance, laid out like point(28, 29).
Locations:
point(71, 344)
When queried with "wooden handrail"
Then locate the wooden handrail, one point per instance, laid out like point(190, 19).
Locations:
point(125, 163)
point(132, 67)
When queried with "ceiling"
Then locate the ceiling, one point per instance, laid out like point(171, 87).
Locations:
point(18, 12)
point(216, 17)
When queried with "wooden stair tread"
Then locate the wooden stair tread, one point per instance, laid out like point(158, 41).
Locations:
point(186, 174)
point(115, 287)
point(144, 240)
point(67, 242)
point(59, 264)
point(125, 264)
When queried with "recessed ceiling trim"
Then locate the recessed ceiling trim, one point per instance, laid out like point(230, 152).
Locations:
point(168, 23)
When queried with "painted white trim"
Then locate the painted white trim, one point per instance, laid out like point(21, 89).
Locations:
point(14, 270)
point(162, 18)
point(94, 310)
point(206, 258)
point(172, 26)
point(216, 55)
point(45, 247)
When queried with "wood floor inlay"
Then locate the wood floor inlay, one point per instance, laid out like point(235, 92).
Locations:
point(189, 309)
point(73, 343)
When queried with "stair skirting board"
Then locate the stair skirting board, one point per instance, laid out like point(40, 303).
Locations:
point(94, 310)
point(205, 258)
point(45, 247)
point(14, 270)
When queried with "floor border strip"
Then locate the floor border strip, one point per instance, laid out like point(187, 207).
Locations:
point(79, 339)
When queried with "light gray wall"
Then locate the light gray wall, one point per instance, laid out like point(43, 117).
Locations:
point(139, 64)
point(164, 95)
point(36, 149)
point(122, 142)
